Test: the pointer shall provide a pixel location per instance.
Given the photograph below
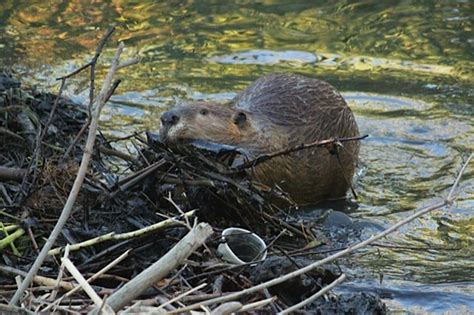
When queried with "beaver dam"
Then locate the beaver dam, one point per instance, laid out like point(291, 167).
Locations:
point(141, 228)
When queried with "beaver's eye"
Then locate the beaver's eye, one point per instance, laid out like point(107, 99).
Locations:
point(204, 111)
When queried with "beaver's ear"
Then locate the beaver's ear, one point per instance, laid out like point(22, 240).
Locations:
point(239, 118)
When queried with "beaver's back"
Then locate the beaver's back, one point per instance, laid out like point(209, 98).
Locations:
point(306, 110)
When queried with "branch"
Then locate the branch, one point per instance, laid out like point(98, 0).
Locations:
point(89, 280)
point(123, 236)
point(9, 239)
point(45, 281)
point(84, 284)
point(320, 143)
point(92, 65)
point(10, 173)
point(257, 305)
point(98, 51)
point(185, 247)
point(179, 297)
point(100, 102)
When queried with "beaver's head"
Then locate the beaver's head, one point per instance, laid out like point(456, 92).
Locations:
point(205, 121)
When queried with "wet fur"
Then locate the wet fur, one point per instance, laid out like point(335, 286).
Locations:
point(282, 110)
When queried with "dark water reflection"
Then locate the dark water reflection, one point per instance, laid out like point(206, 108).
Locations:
point(405, 67)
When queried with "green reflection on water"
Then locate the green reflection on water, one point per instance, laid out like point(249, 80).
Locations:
point(369, 35)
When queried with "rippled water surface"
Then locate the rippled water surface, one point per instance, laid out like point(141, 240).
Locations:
point(405, 67)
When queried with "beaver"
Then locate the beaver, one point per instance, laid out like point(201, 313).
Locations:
point(275, 112)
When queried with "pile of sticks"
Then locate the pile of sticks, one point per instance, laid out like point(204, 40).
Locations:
point(160, 218)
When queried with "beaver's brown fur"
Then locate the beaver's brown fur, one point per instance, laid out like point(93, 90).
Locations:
point(278, 111)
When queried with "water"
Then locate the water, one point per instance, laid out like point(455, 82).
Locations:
point(405, 67)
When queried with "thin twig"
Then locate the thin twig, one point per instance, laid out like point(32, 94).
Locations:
point(320, 143)
point(257, 305)
point(76, 138)
point(85, 286)
point(227, 308)
point(92, 65)
point(314, 296)
point(112, 152)
point(122, 236)
point(170, 200)
point(37, 152)
point(44, 281)
point(136, 177)
point(129, 62)
point(179, 297)
point(458, 178)
point(54, 293)
point(98, 51)
point(53, 110)
point(89, 280)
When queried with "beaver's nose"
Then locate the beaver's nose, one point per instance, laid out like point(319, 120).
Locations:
point(169, 118)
